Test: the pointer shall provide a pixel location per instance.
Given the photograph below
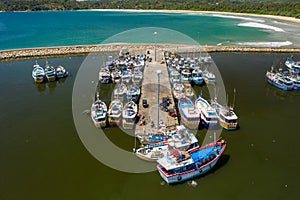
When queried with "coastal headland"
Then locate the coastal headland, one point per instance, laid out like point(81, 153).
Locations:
point(133, 48)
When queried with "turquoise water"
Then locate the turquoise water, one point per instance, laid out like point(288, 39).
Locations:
point(43, 29)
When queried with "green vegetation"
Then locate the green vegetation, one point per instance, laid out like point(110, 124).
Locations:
point(289, 8)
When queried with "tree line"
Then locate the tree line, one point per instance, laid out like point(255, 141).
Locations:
point(290, 8)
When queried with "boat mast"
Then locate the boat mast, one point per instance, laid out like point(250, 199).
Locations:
point(233, 98)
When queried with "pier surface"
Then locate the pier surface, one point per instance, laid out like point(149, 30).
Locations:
point(150, 93)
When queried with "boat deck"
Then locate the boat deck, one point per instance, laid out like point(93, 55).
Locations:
point(150, 93)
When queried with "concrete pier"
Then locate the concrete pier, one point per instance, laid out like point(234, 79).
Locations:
point(133, 48)
point(150, 93)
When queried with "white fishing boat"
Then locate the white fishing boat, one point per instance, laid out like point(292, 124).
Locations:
point(178, 90)
point(174, 77)
point(137, 78)
point(116, 76)
point(126, 77)
point(133, 93)
point(104, 75)
point(50, 72)
point(61, 72)
point(208, 114)
point(226, 115)
point(129, 115)
point(209, 77)
point(99, 113)
point(189, 113)
point(182, 140)
point(115, 112)
point(185, 76)
point(120, 91)
point(38, 73)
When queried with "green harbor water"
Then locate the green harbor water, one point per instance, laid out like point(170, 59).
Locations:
point(42, 156)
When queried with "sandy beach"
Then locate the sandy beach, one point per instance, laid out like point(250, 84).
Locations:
point(276, 17)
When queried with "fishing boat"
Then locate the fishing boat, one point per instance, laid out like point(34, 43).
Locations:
point(185, 76)
point(189, 113)
point(129, 115)
point(293, 65)
point(197, 77)
point(133, 93)
point(116, 76)
point(178, 90)
point(99, 113)
point(188, 91)
point(280, 81)
point(174, 77)
point(120, 91)
point(181, 166)
point(208, 77)
point(50, 72)
point(126, 77)
point(115, 112)
point(208, 114)
point(61, 72)
point(104, 75)
point(226, 115)
point(38, 73)
point(296, 81)
point(137, 78)
point(181, 140)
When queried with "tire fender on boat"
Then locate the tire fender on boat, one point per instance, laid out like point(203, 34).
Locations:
point(179, 178)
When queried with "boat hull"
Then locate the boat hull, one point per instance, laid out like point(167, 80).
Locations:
point(101, 124)
point(188, 175)
point(280, 86)
point(38, 80)
point(228, 126)
point(51, 78)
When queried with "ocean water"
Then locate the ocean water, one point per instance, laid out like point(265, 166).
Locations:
point(42, 156)
point(59, 28)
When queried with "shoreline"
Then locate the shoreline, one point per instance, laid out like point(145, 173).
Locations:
point(276, 17)
point(114, 48)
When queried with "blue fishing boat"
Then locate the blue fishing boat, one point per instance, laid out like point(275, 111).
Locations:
point(294, 66)
point(61, 72)
point(197, 77)
point(296, 81)
point(38, 73)
point(180, 166)
point(189, 113)
point(280, 81)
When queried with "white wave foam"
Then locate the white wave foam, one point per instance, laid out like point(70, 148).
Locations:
point(239, 17)
point(281, 23)
point(265, 44)
point(263, 26)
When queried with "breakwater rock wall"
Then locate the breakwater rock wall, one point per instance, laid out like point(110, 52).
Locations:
point(132, 48)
